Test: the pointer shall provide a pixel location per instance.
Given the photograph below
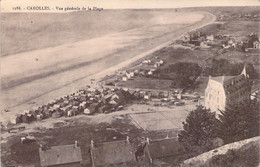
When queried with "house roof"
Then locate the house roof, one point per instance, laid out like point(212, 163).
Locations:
point(222, 79)
point(163, 148)
point(231, 83)
point(112, 153)
point(60, 155)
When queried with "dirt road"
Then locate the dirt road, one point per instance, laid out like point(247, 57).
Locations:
point(34, 78)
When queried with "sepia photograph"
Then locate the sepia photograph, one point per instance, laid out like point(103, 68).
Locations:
point(130, 83)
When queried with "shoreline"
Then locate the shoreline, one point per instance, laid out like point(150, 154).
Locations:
point(99, 75)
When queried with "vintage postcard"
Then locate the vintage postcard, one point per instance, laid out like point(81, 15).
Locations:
point(135, 83)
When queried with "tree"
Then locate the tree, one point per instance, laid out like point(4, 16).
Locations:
point(239, 122)
point(183, 74)
point(199, 130)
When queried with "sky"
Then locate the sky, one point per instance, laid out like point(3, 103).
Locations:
point(7, 5)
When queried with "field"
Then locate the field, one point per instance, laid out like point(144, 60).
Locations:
point(161, 118)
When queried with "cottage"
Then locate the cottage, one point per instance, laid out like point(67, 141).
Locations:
point(46, 113)
point(150, 73)
point(132, 74)
point(56, 114)
point(83, 97)
point(105, 99)
point(112, 153)
point(83, 105)
point(161, 148)
point(75, 109)
point(65, 103)
point(147, 97)
point(16, 119)
point(114, 102)
point(210, 38)
point(146, 61)
point(232, 42)
point(86, 111)
point(204, 45)
point(124, 78)
point(128, 75)
point(66, 109)
point(256, 45)
point(62, 156)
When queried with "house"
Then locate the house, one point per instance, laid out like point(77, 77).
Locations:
point(66, 109)
point(225, 91)
point(56, 114)
point(161, 62)
point(146, 61)
point(17, 118)
point(210, 38)
point(83, 105)
point(62, 156)
point(156, 149)
point(204, 45)
point(147, 97)
point(150, 73)
point(114, 102)
point(132, 74)
point(124, 78)
point(256, 45)
point(128, 74)
point(232, 42)
point(112, 153)
point(86, 111)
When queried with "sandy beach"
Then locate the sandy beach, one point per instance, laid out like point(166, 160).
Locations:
point(35, 77)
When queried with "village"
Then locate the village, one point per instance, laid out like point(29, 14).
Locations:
point(134, 116)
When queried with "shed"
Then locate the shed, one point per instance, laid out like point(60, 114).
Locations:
point(112, 153)
point(65, 155)
point(161, 148)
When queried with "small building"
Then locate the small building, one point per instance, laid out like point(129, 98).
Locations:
point(256, 45)
point(112, 153)
point(124, 78)
point(150, 73)
point(210, 38)
point(62, 156)
point(161, 148)
point(17, 118)
point(204, 45)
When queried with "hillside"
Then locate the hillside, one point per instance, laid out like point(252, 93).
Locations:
point(229, 152)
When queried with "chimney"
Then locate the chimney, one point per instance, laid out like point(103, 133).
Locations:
point(223, 77)
point(76, 143)
point(167, 137)
point(92, 143)
point(210, 77)
point(127, 139)
point(148, 140)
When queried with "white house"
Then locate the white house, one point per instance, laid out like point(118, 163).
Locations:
point(226, 91)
